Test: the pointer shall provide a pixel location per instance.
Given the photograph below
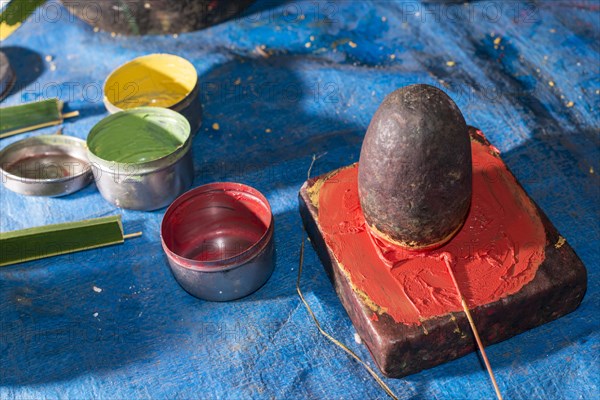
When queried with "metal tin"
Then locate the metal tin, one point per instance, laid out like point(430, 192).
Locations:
point(47, 165)
point(219, 241)
point(7, 76)
point(155, 80)
point(145, 185)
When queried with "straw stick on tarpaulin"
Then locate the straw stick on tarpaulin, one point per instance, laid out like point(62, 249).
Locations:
point(352, 354)
point(447, 259)
point(56, 239)
point(30, 116)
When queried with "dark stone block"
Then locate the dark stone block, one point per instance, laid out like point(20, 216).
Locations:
point(401, 349)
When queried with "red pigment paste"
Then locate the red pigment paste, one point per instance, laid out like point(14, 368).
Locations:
point(495, 253)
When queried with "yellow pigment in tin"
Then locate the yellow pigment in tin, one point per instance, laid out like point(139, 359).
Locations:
point(156, 80)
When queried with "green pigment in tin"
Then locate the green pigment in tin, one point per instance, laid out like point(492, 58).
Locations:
point(138, 135)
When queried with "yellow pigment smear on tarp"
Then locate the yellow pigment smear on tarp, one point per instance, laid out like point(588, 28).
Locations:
point(155, 80)
point(6, 30)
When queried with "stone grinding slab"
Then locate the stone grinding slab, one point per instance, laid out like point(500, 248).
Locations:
point(402, 349)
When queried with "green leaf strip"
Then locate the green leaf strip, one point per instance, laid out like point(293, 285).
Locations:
point(52, 240)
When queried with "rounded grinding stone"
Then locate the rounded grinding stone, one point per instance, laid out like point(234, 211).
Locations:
point(415, 170)
point(7, 76)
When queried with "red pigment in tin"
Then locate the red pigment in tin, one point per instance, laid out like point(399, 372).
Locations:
point(496, 252)
point(215, 222)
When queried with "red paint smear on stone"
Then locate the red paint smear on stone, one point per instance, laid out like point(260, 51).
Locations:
point(496, 252)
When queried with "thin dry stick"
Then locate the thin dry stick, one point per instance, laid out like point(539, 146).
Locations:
point(28, 128)
point(70, 114)
point(132, 235)
point(331, 338)
point(314, 158)
point(473, 328)
point(312, 314)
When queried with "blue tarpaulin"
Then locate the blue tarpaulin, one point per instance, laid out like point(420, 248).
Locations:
point(282, 82)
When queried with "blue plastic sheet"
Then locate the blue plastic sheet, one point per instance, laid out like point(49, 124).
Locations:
point(112, 323)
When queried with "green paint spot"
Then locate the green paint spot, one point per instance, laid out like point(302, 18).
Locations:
point(139, 135)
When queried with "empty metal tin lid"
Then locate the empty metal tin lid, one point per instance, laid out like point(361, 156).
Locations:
point(47, 165)
point(7, 76)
